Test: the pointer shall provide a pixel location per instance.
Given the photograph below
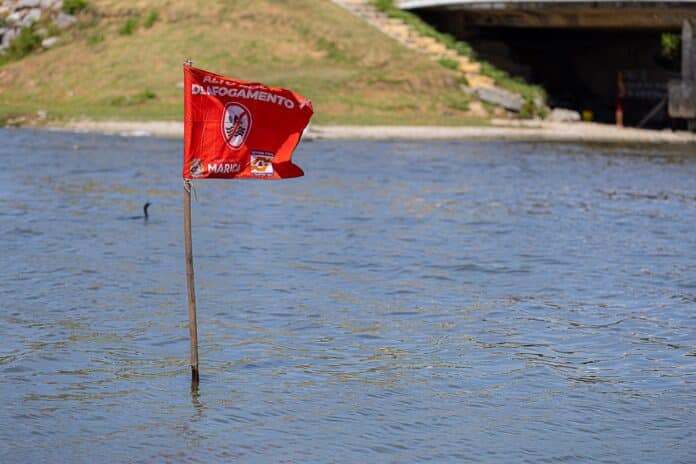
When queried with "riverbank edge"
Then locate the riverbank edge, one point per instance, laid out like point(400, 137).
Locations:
point(528, 131)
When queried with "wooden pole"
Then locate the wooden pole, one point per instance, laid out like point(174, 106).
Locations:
point(193, 326)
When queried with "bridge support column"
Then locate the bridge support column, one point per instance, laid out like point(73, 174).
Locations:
point(688, 51)
point(689, 67)
point(682, 94)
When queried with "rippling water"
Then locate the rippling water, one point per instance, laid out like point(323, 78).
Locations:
point(403, 302)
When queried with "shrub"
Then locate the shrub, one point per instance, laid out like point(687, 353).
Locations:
point(129, 26)
point(26, 42)
point(72, 7)
point(145, 95)
point(528, 109)
point(151, 19)
point(671, 44)
point(670, 52)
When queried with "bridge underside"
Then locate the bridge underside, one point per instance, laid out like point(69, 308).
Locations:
point(563, 14)
point(576, 53)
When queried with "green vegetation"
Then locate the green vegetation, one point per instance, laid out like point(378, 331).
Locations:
point(353, 73)
point(129, 26)
point(51, 29)
point(459, 103)
point(29, 40)
point(26, 42)
point(670, 52)
point(73, 7)
point(671, 44)
point(528, 108)
point(530, 92)
point(95, 38)
point(151, 19)
point(331, 50)
point(137, 99)
point(449, 63)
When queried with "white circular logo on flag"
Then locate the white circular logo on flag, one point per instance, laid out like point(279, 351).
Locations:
point(236, 124)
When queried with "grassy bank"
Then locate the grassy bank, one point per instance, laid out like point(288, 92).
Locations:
point(530, 92)
point(123, 61)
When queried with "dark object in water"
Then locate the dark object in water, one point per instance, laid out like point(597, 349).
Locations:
point(144, 215)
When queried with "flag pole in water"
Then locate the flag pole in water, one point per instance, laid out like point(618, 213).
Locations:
point(190, 283)
point(232, 130)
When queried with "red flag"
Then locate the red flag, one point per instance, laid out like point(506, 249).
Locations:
point(237, 129)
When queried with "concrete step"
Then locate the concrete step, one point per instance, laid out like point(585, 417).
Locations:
point(479, 81)
point(468, 67)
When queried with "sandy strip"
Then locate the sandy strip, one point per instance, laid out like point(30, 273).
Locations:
point(500, 130)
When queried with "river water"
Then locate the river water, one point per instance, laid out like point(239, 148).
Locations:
point(402, 302)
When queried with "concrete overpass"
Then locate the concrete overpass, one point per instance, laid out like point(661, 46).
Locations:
point(578, 49)
point(647, 14)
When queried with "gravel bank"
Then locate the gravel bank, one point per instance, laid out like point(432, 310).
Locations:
point(500, 130)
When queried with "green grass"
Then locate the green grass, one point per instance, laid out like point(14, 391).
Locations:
point(151, 19)
point(95, 38)
point(449, 63)
point(129, 100)
point(73, 7)
point(353, 73)
point(129, 26)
